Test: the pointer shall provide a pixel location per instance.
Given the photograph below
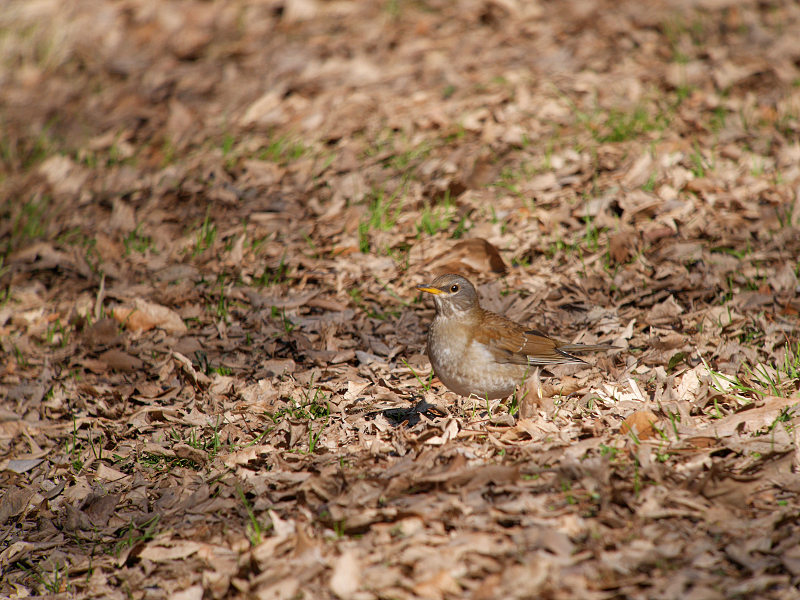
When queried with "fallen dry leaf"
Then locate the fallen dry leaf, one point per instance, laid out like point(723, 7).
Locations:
point(469, 256)
point(346, 577)
point(171, 551)
point(144, 316)
point(641, 424)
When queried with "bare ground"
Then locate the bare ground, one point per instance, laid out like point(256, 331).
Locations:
point(213, 376)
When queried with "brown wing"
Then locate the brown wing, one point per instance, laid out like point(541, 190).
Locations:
point(510, 342)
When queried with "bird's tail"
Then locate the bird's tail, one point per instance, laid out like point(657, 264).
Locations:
point(585, 347)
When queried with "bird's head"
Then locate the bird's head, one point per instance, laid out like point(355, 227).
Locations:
point(452, 294)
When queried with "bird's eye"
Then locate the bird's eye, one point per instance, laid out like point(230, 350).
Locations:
point(454, 288)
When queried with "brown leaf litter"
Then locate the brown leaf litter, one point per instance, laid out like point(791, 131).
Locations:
point(214, 215)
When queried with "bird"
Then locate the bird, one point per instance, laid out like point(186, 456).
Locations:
point(474, 351)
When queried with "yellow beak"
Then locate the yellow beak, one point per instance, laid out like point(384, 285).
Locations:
point(430, 290)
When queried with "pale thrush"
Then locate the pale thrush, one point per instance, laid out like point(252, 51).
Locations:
point(477, 352)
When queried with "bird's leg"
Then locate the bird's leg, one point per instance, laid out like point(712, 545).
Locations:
point(528, 404)
point(537, 382)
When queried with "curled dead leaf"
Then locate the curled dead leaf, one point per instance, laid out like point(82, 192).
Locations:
point(197, 377)
point(664, 312)
point(15, 502)
point(168, 551)
point(144, 316)
point(475, 255)
point(641, 424)
point(190, 453)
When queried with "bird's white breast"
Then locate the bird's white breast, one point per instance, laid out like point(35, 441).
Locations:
point(466, 366)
